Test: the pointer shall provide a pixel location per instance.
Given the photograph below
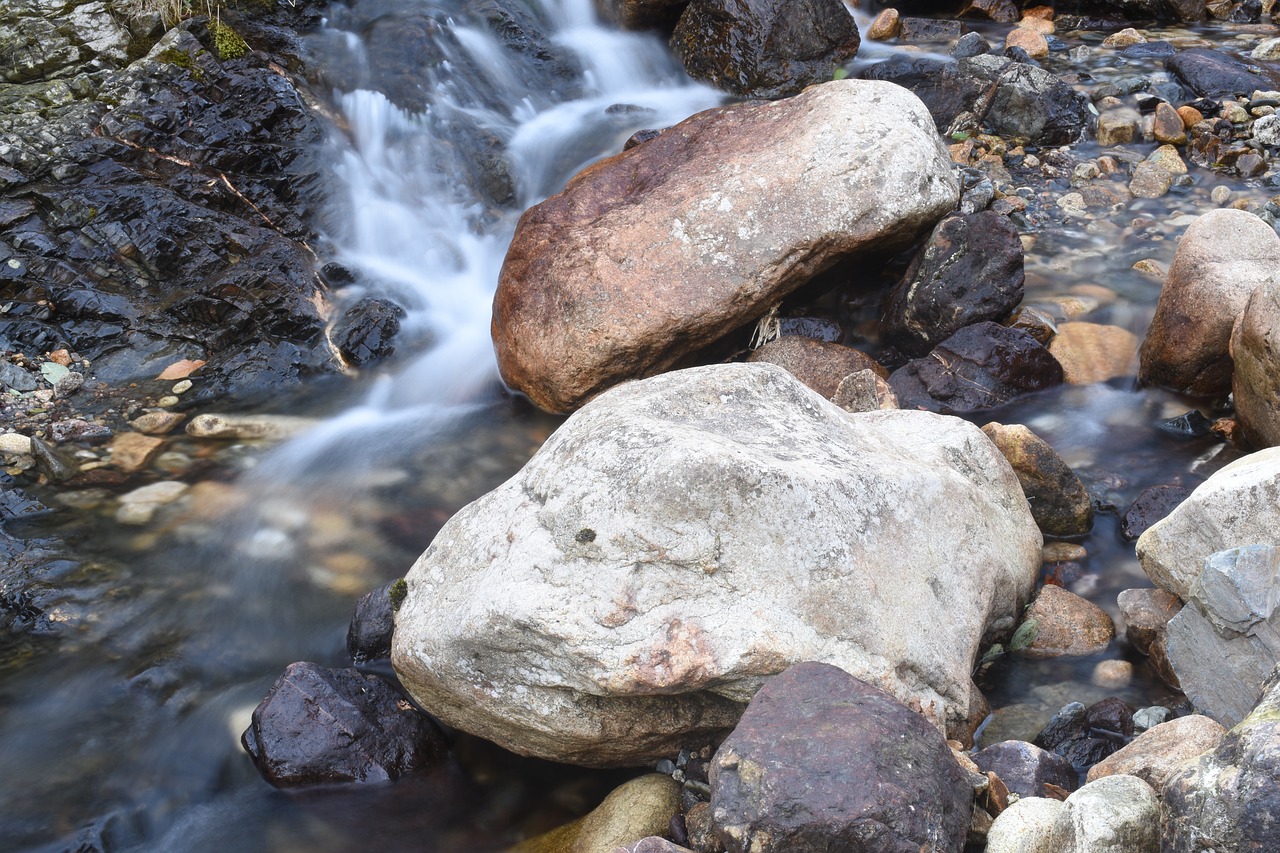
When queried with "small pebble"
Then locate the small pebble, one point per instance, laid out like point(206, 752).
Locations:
point(1149, 718)
point(182, 387)
point(1112, 673)
point(166, 402)
point(1220, 195)
point(15, 445)
point(1060, 552)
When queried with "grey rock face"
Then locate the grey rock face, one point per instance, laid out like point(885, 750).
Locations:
point(1226, 641)
point(822, 761)
point(683, 538)
point(1230, 798)
point(1238, 505)
point(1115, 814)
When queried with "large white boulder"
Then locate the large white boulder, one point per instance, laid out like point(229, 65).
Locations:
point(682, 538)
point(1238, 505)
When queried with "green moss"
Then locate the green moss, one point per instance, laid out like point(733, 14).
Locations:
point(397, 593)
point(226, 41)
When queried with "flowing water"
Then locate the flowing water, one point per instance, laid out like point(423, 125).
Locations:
point(120, 716)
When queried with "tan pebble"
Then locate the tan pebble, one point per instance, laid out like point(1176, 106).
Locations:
point(1168, 126)
point(1234, 112)
point(1096, 292)
point(1220, 195)
point(1043, 26)
point(1125, 38)
point(1045, 12)
point(167, 402)
point(1091, 352)
point(1190, 116)
point(1117, 127)
point(181, 387)
point(1150, 181)
point(1112, 673)
point(348, 563)
point(885, 26)
point(1149, 267)
point(157, 423)
point(1067, 624)
point(1062, 552)
point(131, 451)
point(60, 356)
point(1167, 158)
point(1029, 40)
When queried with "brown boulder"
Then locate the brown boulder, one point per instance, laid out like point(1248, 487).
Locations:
point(1223, 257)
point(1066, 624)
point(1059, 501)
point(820, 365)
point(1255, 348)
point(1092, 352)
point(1146, 613)
point(651, 255)
point(1157, 753)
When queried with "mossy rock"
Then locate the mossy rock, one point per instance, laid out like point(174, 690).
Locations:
point(227, 43)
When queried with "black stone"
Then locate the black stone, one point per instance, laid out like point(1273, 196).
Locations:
point(970, 44)
point(970, 269)
point(1149, 507)
point(369, 635)
point(1025, 768)
point(764, 48)
point(1191, 425)
point(1213, 74)
point(322, 725)
point(1070, 735)
point(366, 332)
point(1112, 715)
point(1149, 50)
point(817, 328)
point(979, 367)
point(836, 764)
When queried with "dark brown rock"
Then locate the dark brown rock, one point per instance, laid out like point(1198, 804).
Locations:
point(1025, 768)
point(641, 261)
point(1146, 612)
point(969, 270)
point(338, 725)
point(822, 366)
point(1222, 258)
point(764, 48)
point(822, 761)
point(1213, 74)
point(1059, 502)
point(1001, 11)
point(369, 634)
point(1149, 507)
point(913, 30)
point(979, 367)
point(1112, 715)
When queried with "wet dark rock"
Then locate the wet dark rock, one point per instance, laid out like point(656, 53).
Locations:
point(12, 376)
point(1069, 735)
point(1025, 768)
point(817, 328)
point(369, 635)
point(915, 30)
point(77, 429)
point(979, 367)
point(1149, 507)
point(1213, 74)
point(764, 48)
point(169, 202)
point(1228, 799)
point(366, 332)
point(51, 464)
point(970, 44)
point(1006, 97)
point(822, 761)
point(15, 505)
point(338, 725)
point(1002, 11)
point(1059, 502)
point(969, 270)
point(1112, 715)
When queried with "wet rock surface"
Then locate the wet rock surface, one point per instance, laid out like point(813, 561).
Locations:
point(338, 725)
point(979, 367)
point(823, 761)
point(1025, 768)
point(820, 365)
point(162, 209)
point(764, 48)
point(969, 270)
point(1058, 499)
point(1153, 504)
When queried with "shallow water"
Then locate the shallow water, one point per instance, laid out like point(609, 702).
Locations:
point(123, 713)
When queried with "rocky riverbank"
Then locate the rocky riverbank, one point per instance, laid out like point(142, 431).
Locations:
point(794, 523)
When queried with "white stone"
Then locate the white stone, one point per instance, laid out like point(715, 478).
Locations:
point(267, 427)
point(1238, 505)
point(14, 444)
point(1024, 826)
point(1115, 814)
point(682, 538)
point(140, 505)
point(1266, 130)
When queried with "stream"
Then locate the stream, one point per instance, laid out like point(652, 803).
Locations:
point(120, 723)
